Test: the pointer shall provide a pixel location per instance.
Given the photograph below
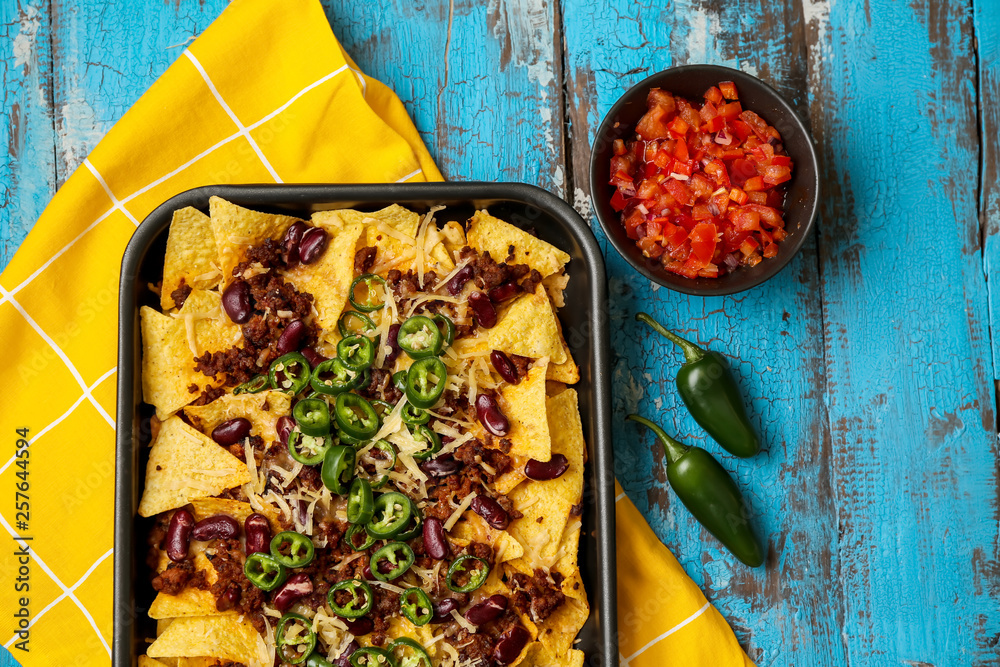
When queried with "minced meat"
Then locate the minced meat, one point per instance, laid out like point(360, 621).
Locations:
point(539, 594)
point(232, 589)
point(364, 259)
point(181, 294)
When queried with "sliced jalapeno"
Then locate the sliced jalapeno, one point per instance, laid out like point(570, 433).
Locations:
point(423, 433)
point(414, 525)
point(446, 327)
point(353, 322)
point(332, 377)
point(416, 606)
point(264, 571)
point(292, 549)
point(395, 557)
point(347, 439)
point(357, 352)
point(414, 416)
point(296, 648)
point(425, 382)
point(365, 295)
point(391, 515)
point(382, 408)
point(409, 651)
point(289, 373)
point(420, 337)
point(371, 656)
point(308, 449)
point(399, 380)
point(360, 602)
point(358, 529)
point(381, 458)
point(313, 416)
point(254, 385)
point(338, 468)
point(356, 417)
point(467, 573)
point(360, 503)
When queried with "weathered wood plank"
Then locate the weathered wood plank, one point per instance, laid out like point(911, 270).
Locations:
point(987, 29)
point(27, 169)
point(481, 80)
point(909, 382)
point(790, 613)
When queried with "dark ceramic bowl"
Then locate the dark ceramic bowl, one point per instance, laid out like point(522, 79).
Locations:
point(691, 82)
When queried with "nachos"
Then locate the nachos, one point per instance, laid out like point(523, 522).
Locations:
point(365, 451)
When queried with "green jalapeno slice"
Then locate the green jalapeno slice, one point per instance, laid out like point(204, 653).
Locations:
point(312, 415)
point(353, 322)
point(367, 293)
point(420, 337)
point(347, 439)
point(409, 651)
point(356, 417)
point(397, 556)
point(317, 660)
point(377, 462)
point(289, 373)
point(294, 649)
point(358, 529)
point(332, 377)
point(382, 408)
point(391, 514)
point(372, 656)
point(414, 525)
point(358, 605)
point(423, 433)
point(425, 382)
point(467, 573)
point(254, 385)
point(446, 327)
point(414, 416)
point(338, 468)
point(357, 352)
point(416, 606)
point(292, 549)
point(360, 503)
point(399, 380)
point(264, 571)
point(308, 449)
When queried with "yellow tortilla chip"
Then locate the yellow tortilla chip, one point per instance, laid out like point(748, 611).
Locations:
point(489, 234)
point(213, 330)
point(190, 256)
point(514, 475)
point(239, 510)
point(547, 505)
point(537, 654)
point(146, 661)
point(329, 279)
point(401, 222)
point(454, 237)
point(184, 464)
point(560, 629)
point(567, 372)
point(236, 228)
point(472, 528)
point(197, 662)
point(190, 601)
point(524, 405)
point(263, 411)
point(529, 329)
point(162, 624)
point(225, 637)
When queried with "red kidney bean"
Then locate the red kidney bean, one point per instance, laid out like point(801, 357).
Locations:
point(359, 627)
point(291, 337)
point(435, 543)
point(458, 280)
point(366, 571)
point(504, 366)
point(345, 658)
point(486, 314)
point(490, 415)
point(290, 243)
point(510, 644)
point(442, 466)
point(229, 599)
point(313, 244)
point(258, 533)
point(488, 610)
point(491, 511)
point(313, 357)
point(236, 301)
point(284, 428)
point(179, 535)
point(507, 290)
point(231, 431)
point(218, 527)
point(295, 588)
point(545, 470)
point(443, 609)
point(393, 341)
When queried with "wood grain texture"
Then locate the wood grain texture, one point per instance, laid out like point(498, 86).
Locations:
point(986, 22)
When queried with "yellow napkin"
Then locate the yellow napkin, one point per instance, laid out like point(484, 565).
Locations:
point(266, 94)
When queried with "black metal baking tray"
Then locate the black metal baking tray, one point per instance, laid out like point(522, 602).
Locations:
point(584, 326)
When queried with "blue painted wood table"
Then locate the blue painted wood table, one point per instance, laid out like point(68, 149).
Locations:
point(869, 364)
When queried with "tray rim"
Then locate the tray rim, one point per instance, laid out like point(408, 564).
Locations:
point(604, 611)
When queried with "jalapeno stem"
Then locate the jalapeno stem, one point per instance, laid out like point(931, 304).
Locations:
point(673, 449)
point(691, 351)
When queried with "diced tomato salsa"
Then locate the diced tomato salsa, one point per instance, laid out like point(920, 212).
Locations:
point(701, 188)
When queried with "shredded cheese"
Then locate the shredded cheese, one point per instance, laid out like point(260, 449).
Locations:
point(454, 272)
point(461, 621)
point(389, 587)
point(459, 511)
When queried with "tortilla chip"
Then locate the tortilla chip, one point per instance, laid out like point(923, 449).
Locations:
point(184, 464)
point(190, 256)
point(524, 405)
point(146, 661)
point(239, 510)
point(190, 601)
point(224, 637)
point(537, 654)
point(213, 330)
point(567, 372)
point(472, 528)
point(162, 624)
point(489, 234)
point(250, 406)
point(560, 629)
point(454, 237)
point(236, 228)
point(547, 505)
point(329, 279)
point(197, 662)
point(514, 475)
point(529, 329)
